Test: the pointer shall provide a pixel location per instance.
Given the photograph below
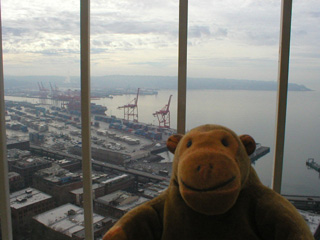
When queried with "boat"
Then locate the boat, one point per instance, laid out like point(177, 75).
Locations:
point(75, 106)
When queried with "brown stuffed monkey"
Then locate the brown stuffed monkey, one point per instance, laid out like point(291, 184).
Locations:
point(214, 194)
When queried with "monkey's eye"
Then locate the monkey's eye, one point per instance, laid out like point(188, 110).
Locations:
point(225, 142)
point(189, 143)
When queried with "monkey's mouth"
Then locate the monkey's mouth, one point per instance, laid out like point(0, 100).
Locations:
point(210, 188)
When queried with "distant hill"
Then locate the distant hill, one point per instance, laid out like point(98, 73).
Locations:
point(151, 82)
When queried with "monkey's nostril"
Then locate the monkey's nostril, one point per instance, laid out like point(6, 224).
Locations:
point(210, 165)
point(198, 168)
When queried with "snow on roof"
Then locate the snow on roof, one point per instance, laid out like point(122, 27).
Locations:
point(122, 200)
point(123, 176)
point(27, 197)
point(67, 219)
point(80, 190)
point(312, 219)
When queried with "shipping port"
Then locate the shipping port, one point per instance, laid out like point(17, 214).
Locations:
point(130, 161)
point(129, 143)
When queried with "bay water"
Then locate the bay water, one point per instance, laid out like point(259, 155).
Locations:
point(246, 112)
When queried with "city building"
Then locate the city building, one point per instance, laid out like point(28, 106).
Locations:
point(14, 144)
point(15, 154)
point(24, 205)
point(28, 166)
point(16, 182)
point(104, 184)
point(313, 221)
point(118, 203)
point(103, 155)
point(58, 182)
point(69, 164)
point(98, 190)
point(67, 222)
point(152, 190)
point(117, 182)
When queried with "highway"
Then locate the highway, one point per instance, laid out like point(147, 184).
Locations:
point(54, 154)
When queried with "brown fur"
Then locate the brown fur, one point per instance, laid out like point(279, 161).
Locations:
point(214, 194)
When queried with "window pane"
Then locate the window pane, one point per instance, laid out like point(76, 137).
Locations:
point(302, 129)
point(42, 96)
point(42, 85)
point(232, 70)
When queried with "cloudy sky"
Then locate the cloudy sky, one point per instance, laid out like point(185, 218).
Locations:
point(235, 39)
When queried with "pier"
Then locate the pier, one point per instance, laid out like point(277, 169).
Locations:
point(312, 164)
point(307, 203)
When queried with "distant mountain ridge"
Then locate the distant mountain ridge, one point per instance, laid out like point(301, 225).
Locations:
point(151, 82)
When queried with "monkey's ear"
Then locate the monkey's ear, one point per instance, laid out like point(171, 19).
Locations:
point(249, 143)
point(173, 141)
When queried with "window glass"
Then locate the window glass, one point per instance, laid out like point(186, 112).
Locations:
point(133, 68)
point(239, 60)
point(41, 46)
point(232, 70)
point(302, 126)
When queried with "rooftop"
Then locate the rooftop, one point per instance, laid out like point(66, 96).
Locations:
point(30, 162)
point(15, 154)
point(122, 200)
point(67, 219)
point(155, 189)
point(312, 219)
point(115, 179)
point(27, 197)
point(57, 174)
point(13, 174)
point(80, 190)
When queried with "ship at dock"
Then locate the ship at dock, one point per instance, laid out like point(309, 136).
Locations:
point(74, 107)
point(312, 164)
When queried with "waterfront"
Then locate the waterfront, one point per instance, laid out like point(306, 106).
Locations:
point(251, 112)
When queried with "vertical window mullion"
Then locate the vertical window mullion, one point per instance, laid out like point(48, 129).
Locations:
point(182, 66)
point(86, 118)
point(283, 74)
point(5, 213)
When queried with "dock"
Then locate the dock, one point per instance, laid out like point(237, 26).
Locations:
point(259, 152)
point(312, 164)
point(306, 203)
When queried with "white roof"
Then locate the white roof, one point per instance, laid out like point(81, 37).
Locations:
point(27, 197)
point(59, 219)
point(80, 190)
point(312, 219)
point(125, 201)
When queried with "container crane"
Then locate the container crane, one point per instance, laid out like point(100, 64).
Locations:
point(131, 109)
point(163, 115)
point(54, 91)
point(43, 91)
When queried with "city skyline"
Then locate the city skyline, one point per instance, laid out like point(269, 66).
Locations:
point(226, 39)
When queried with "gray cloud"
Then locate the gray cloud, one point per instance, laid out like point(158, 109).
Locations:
point(134, 27)
point(315, 14)
point(199, 31)
point(10, 31)
point(118, 27)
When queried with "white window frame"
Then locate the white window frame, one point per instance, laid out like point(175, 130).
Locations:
point(283, 70)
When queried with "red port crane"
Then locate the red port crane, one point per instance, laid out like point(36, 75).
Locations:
point(131, 109)
point(163, 115)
